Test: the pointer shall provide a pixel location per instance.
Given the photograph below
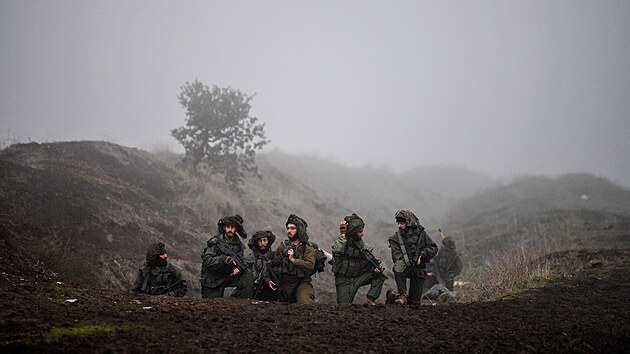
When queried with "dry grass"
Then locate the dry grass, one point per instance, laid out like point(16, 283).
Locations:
point(520, 267)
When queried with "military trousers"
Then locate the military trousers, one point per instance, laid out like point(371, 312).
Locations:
point(416, 276)
point(347, 287)
point(301, 292)
point(244, 284)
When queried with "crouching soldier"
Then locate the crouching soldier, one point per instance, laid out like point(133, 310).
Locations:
point(354, 265)
point(260, 244)
point(158, 276)
point(411, 249)
point(292, 265)
point(223, 264)
point(448, 264)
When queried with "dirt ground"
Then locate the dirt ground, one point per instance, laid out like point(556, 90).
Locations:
point(589, 312)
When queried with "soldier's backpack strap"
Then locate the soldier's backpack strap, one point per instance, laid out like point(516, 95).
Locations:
point(403, 249)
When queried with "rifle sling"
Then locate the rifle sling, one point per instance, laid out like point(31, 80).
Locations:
point(403, 249)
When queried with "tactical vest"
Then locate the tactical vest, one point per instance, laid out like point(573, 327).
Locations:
point(259, 262)
point(350, 263)
point(287, 269)
point(412, 245)
point(157, 277)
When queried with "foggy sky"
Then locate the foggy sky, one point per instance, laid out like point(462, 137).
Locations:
point(500, 87)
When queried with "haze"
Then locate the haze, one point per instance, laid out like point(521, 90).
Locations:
point(503, 88)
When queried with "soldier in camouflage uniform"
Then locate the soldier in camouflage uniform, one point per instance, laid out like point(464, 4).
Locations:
point(448, 265)
point(411, 249)
point(157, 274)
point(260, 244)
point(352, 270)
point(219, 270)
point(292, 264)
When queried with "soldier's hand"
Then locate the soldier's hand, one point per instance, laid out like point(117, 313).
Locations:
point(343, 226)
point(272, 285)
point(377, 270)
point(290, 252)
point(228, 260)
point(236, 272)
point(419, 260)
point(171, 293)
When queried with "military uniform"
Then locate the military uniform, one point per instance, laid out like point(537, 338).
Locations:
point(216, 274)
point(158, 274)
point(295, 278)
point(447, 263)
point(352, 270)
point(258, 260)
point(406, 246)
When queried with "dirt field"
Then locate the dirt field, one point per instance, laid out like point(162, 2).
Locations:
point(589, 312)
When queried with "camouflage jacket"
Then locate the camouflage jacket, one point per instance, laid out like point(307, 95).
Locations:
point(214, 270)
point(153, 280)
point(347, 258)
point(447, 262)
point(304, 255)
point(417, 243)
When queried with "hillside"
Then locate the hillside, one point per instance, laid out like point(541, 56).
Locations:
point(570, 211)
point(377, 193)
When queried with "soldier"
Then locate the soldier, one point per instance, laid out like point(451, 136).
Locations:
point(220, 269)
point(448, 265)
point(158, 276)
point(351, 267)
point(411, 249)
point(292, 264)
point(260, 244)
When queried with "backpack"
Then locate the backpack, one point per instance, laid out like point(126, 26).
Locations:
point(320, 259)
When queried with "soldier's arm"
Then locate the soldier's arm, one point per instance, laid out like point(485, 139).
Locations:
point(397, 254)
point(308, 262)
point(430, 250)
point(339, 245)
point(212, 258)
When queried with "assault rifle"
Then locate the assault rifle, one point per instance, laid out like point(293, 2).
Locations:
point(160, 290)
point(226, 249)
point(259, 283)
point(375, 262)
point(276, 280)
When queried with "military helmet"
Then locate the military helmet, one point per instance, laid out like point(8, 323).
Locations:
point(301, 226)
point(234, 220)
point(354, 225)
point(253, 242)
point(408, 218)
point(448, 241)
point(155, 250)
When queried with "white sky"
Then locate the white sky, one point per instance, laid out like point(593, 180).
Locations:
point(501, 87)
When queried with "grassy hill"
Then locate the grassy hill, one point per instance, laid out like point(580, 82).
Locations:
point(89, 210)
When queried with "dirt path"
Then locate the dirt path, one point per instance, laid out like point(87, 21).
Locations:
point(587, 313)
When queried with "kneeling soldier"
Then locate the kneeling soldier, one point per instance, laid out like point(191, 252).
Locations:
point(352, 264)
point(158, 276)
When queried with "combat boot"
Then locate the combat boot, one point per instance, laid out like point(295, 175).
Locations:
point(402, 299)
point(390, 296)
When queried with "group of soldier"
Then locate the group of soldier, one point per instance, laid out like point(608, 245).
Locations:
point(284, 273)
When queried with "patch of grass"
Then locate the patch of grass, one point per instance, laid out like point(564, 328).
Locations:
point(57, 333)
point(54, 335)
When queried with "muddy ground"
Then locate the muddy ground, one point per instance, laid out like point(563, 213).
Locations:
point(589, 312)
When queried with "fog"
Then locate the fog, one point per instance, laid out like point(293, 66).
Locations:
point(503, 88)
